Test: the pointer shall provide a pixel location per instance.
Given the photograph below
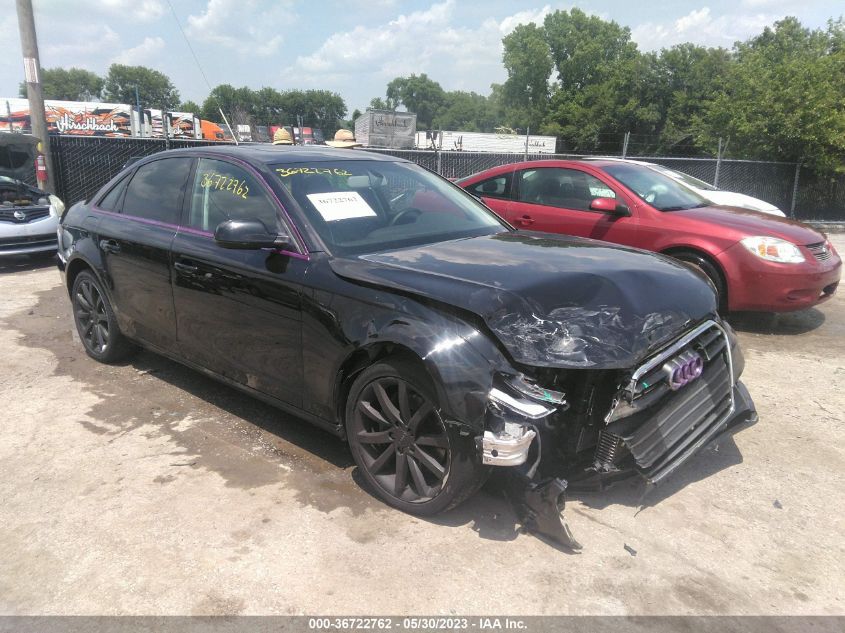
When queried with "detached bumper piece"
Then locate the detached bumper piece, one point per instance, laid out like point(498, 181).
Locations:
point(539, 506)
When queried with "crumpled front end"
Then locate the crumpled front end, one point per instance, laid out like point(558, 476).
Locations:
point(593, 428)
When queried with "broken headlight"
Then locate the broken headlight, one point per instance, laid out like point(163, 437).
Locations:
point(526, 398)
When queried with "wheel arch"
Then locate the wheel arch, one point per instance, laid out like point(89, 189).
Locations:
point(674, 251)
point(366, 356)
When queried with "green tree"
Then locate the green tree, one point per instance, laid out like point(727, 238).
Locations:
point(528, 61)
point(190, 106)
point(419, 94)
point(154, 88)
point(68, 84)
point(784, 97)
point(465, 111)
point(236, 103)
point(586, 50)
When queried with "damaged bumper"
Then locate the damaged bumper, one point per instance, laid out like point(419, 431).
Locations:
point(675, 403)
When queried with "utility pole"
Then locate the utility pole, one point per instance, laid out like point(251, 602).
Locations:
point(32, 75)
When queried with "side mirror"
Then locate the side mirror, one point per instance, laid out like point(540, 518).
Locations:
point(248, 235)
point(610, 205)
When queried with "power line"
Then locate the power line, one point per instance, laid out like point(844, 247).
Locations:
point(202, 72)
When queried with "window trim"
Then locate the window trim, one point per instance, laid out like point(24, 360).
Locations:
point(518, 190)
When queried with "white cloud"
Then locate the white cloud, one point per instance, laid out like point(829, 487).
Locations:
point(700, 27)
point(140, 10)
point(140, 55)
point(422, 41)
point(85, 41)
point(243, 26)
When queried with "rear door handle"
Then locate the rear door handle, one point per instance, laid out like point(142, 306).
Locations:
point(188, 269)
point(109, 246)
point(526, 220)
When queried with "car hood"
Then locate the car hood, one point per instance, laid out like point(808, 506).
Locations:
point(551, 300)
point(750, 223)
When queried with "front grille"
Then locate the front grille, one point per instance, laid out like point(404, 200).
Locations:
point(820, 250)
point(663, 427)
point(30, 214)
point(31, 241)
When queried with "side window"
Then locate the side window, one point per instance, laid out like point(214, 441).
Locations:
point(498, 187)
point(222, 191)
point(155, 191)
point(111, 201)
point(564, 188)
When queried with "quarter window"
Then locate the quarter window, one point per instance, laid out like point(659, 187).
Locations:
point(564, 188)
point(155, 191)
point(498, 187)
point(111, 201)
point(223, 191)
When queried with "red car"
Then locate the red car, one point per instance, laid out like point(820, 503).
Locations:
point(755, 261)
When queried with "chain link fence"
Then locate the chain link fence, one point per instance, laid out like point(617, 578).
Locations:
point(84, 164)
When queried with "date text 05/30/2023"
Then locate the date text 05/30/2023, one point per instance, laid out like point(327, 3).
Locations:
point(417, 624)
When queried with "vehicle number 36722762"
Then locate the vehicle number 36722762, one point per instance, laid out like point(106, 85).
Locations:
point(224, 183)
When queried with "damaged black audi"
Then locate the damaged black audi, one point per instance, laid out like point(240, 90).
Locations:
point(379, 301)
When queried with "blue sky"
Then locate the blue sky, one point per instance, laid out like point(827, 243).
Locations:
point(353, 47)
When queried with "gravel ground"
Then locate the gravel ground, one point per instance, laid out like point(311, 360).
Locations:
point(147, 488)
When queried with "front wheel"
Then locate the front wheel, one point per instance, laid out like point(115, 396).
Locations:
point(405, 451)
point(709, 269)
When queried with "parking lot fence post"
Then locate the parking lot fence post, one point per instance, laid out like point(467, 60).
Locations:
point(795, 189)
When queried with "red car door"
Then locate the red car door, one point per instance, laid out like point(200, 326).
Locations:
point(559, 200)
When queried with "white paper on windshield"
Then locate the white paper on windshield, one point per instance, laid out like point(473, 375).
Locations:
point(341, 205)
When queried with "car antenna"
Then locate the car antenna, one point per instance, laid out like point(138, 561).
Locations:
point(202, 72)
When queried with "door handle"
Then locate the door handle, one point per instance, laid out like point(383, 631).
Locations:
point(188, 269)
point(109, 246)
point(526, 220)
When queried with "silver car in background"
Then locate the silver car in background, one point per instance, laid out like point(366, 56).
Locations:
point(29, 217)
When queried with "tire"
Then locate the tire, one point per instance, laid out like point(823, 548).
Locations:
point(709, 269)
point(96, 323)
point(404, 450)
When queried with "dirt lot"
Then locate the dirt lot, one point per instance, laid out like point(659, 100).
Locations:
point(150, 489)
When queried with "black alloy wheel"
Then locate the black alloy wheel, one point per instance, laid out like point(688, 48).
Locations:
point(401, 444)
point(91, 317)
point(95, 321)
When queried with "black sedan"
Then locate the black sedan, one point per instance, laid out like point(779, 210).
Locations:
point(386, 305)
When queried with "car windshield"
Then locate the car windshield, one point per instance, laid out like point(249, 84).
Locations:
point(363, 206)
point(661, 192)
point(688, 180)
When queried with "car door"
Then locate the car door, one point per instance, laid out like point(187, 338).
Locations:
point(134, 238)
point(558, 199)
point(238, 311)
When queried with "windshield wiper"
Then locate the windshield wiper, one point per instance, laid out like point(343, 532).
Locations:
point(684, 208)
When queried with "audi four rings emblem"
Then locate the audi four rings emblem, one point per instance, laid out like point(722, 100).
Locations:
point(683, 369)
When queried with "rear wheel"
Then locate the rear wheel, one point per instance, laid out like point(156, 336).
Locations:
point(709, 269)
point(406, 452)
point(95, 321)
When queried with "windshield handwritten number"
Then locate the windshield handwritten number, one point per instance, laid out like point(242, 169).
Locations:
point(285, 172)
point(222, 182)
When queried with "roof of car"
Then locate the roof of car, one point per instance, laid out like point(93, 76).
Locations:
point(275, 154)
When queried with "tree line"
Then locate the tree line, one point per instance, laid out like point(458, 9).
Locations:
point(777, 96)
point(242, 106)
